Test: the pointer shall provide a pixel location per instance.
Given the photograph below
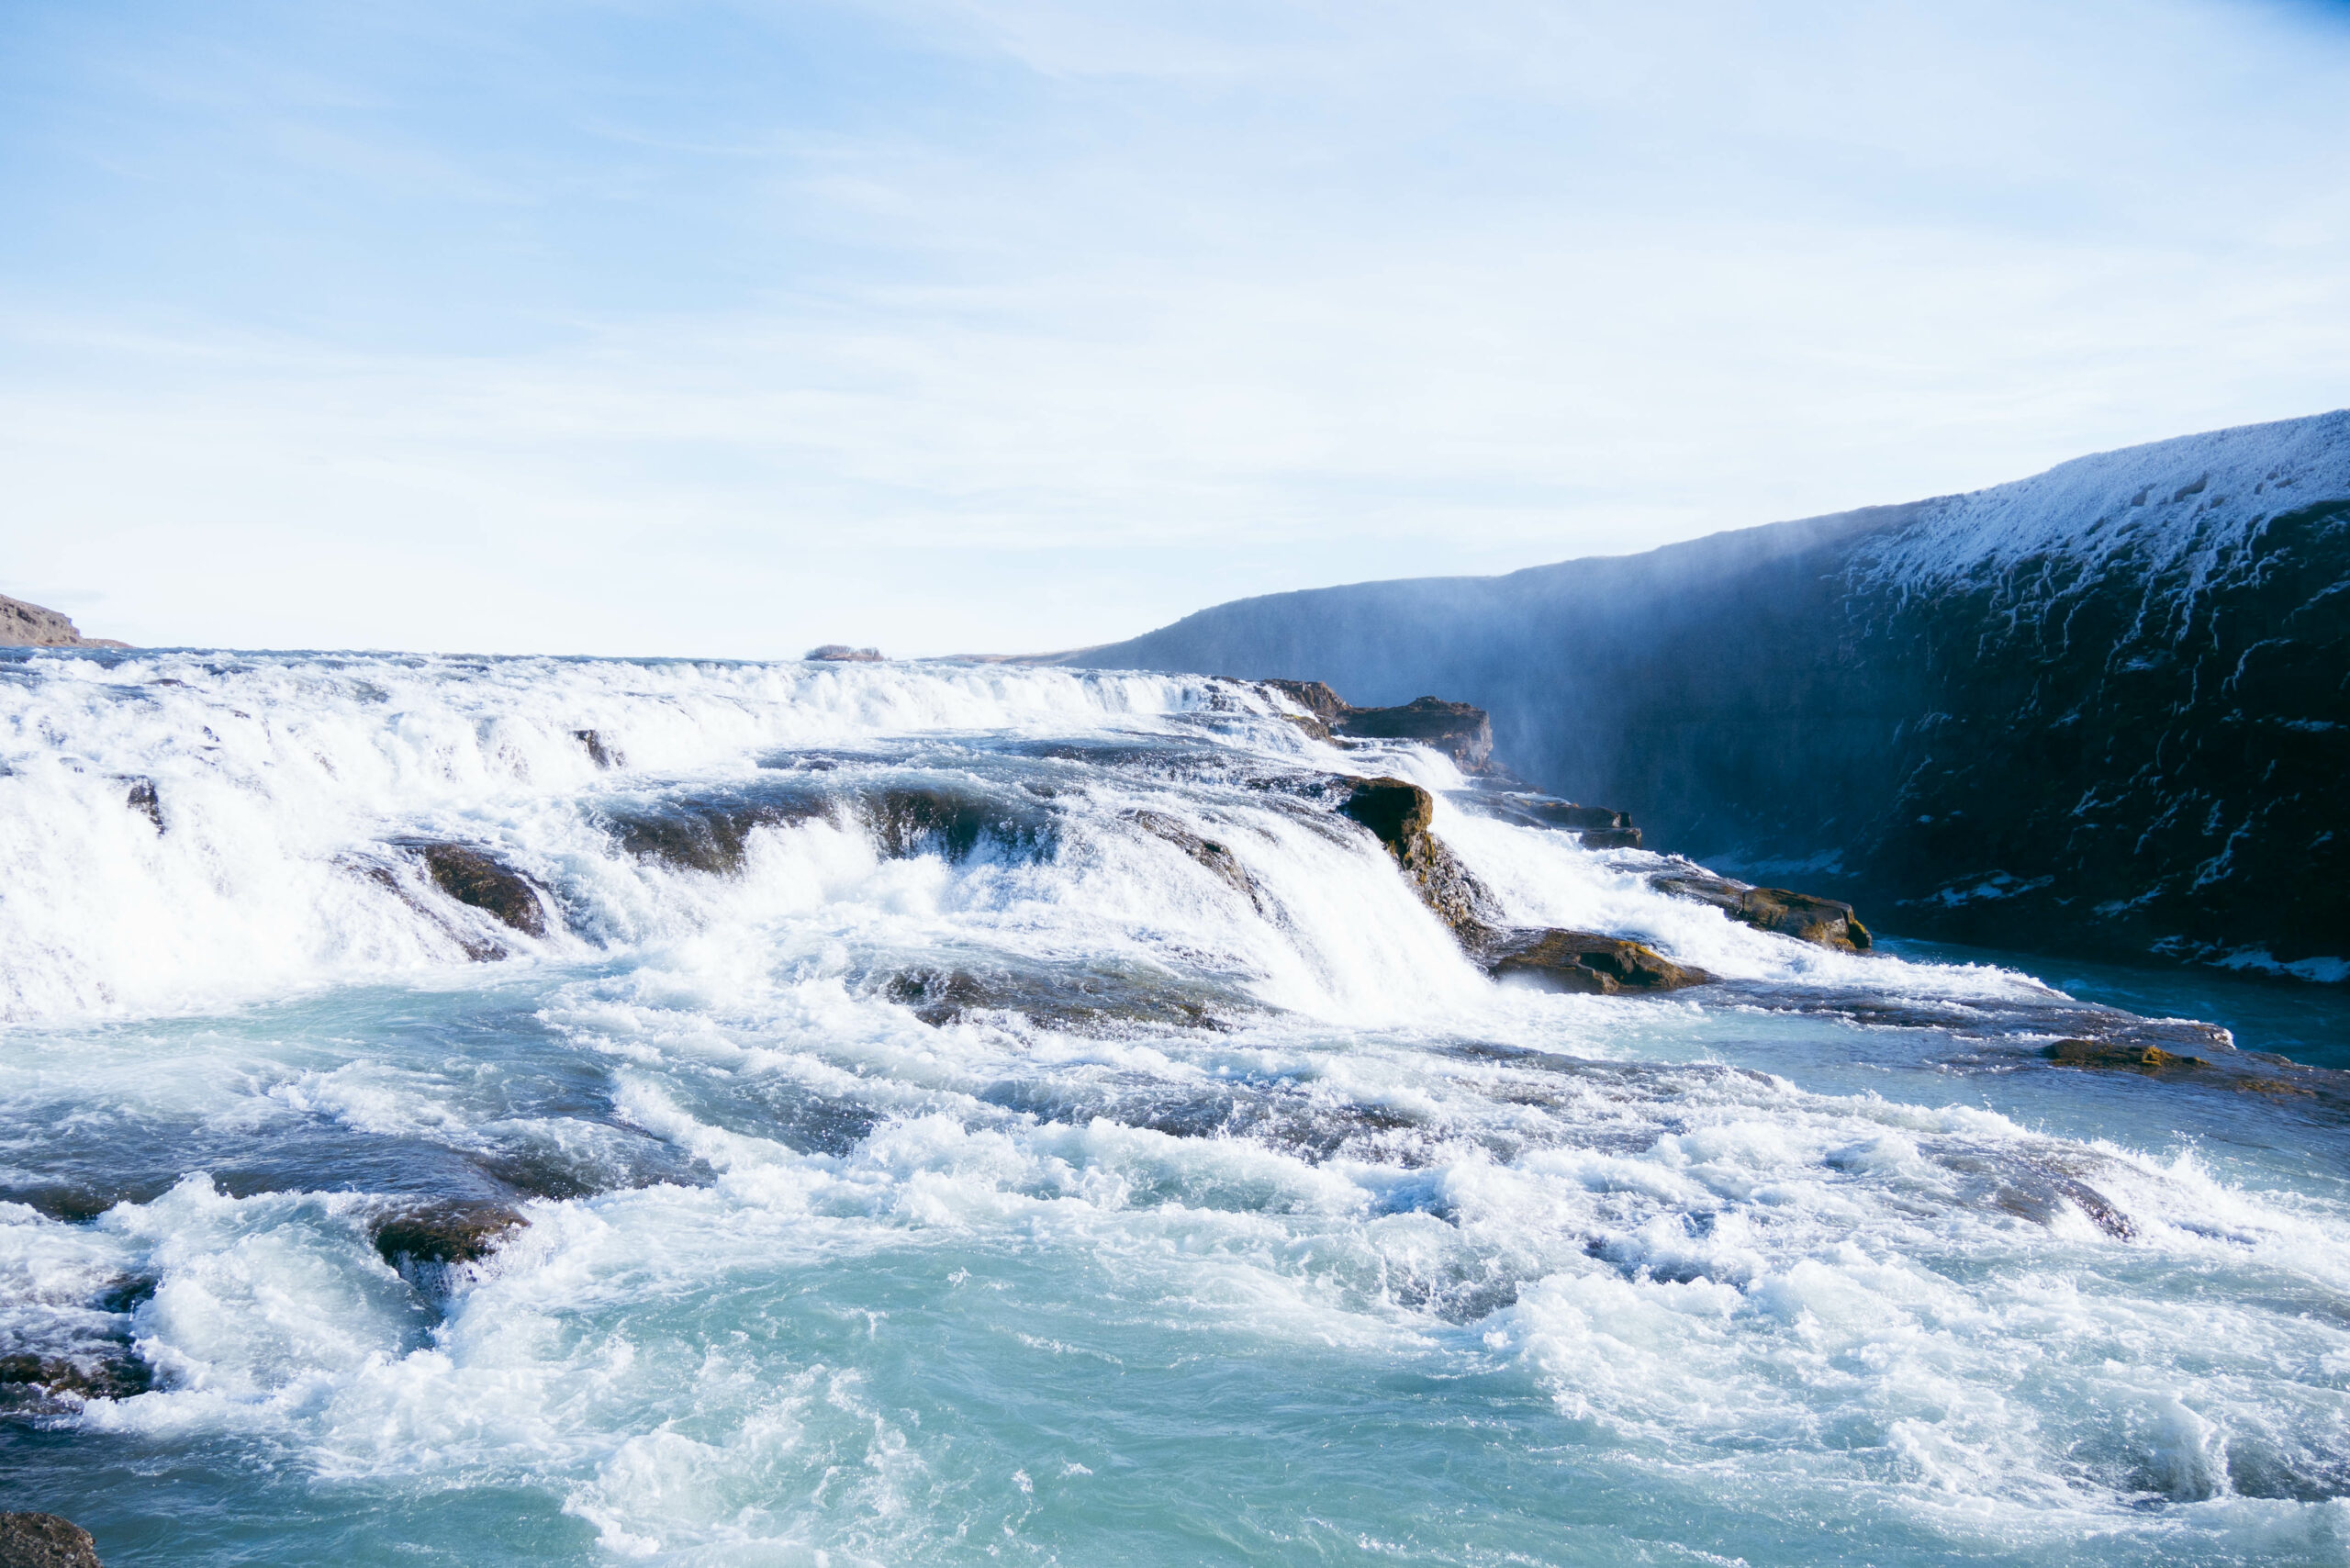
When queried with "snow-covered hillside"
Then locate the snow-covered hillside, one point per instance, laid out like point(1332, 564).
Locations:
point(2161, 504)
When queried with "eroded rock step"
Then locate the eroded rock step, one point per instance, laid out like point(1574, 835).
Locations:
point(1399, 813)
point(709, 831)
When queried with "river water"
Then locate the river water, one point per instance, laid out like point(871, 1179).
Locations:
point(923, 1153)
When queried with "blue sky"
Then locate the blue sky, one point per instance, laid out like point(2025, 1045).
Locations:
point(994, 325)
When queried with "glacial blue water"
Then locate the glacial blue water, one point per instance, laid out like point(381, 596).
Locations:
point(924, 1157)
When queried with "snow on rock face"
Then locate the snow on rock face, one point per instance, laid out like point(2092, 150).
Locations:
point(2160, 504)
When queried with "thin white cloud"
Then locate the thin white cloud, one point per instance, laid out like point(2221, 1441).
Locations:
point(1212, 306)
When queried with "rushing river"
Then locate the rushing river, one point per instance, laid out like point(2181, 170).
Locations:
point(924, 1154)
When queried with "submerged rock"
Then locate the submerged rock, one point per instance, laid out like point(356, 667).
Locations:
point(2149, 1060)
point(1215, 856)
point(45, 1541)
point(710, 833)
point(2030, 1187)
point(1088, 1002)
point(1584, 962)
point(2320, 1092)
point(1826, 923)
point(467, 874)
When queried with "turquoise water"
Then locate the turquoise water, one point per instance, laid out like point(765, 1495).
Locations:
point(2308, 1023)
point(968, 1171)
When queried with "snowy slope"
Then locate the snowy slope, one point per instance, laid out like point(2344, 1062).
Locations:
point(2163, 504)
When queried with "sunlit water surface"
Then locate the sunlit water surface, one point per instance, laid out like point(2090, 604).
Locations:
point(1292, 1239)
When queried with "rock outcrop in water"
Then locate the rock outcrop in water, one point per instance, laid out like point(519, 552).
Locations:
point(45, 1541)
point(1217, 858)
point(1460, 730)
point(1580, 961)
point(25, 625)
point(2103, 710)
point(1828, 922)
point(467, 874)
point(1399, 814)
point(480, 880)
point(711, 831)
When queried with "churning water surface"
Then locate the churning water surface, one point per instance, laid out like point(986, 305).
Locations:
point(927, 1153)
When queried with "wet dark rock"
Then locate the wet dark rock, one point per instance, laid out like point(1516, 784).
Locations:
point(1828, 922)
point(1579, 819)
point(601, 754)
point(480, 880)
point(2235, 1072)
point(92, 1361)
point(1281, 1114)
point(390, 879)
point(77, 1206)
point(2035, 1186)
point(143, 799)
point(1326, 706)
point(809, 1122)
point(1583, 962)
point(1216, 858)
point(1597, 827)
point(1398, 814)
point(841, 652)
point(1460, 731)
point(429, 1244)
point(608, 1158)
point(111, 1371)
point(45, 1541)
point(128, 1293)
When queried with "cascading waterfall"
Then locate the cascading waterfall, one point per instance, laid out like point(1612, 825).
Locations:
point(532, 1110)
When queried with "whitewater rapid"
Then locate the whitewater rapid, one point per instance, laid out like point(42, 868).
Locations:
point(925, 1154)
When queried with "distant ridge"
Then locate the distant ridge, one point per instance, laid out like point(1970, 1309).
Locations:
point(2104, 709)
point(25, 625)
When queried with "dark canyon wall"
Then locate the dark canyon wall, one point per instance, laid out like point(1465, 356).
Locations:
point(2106, 710)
